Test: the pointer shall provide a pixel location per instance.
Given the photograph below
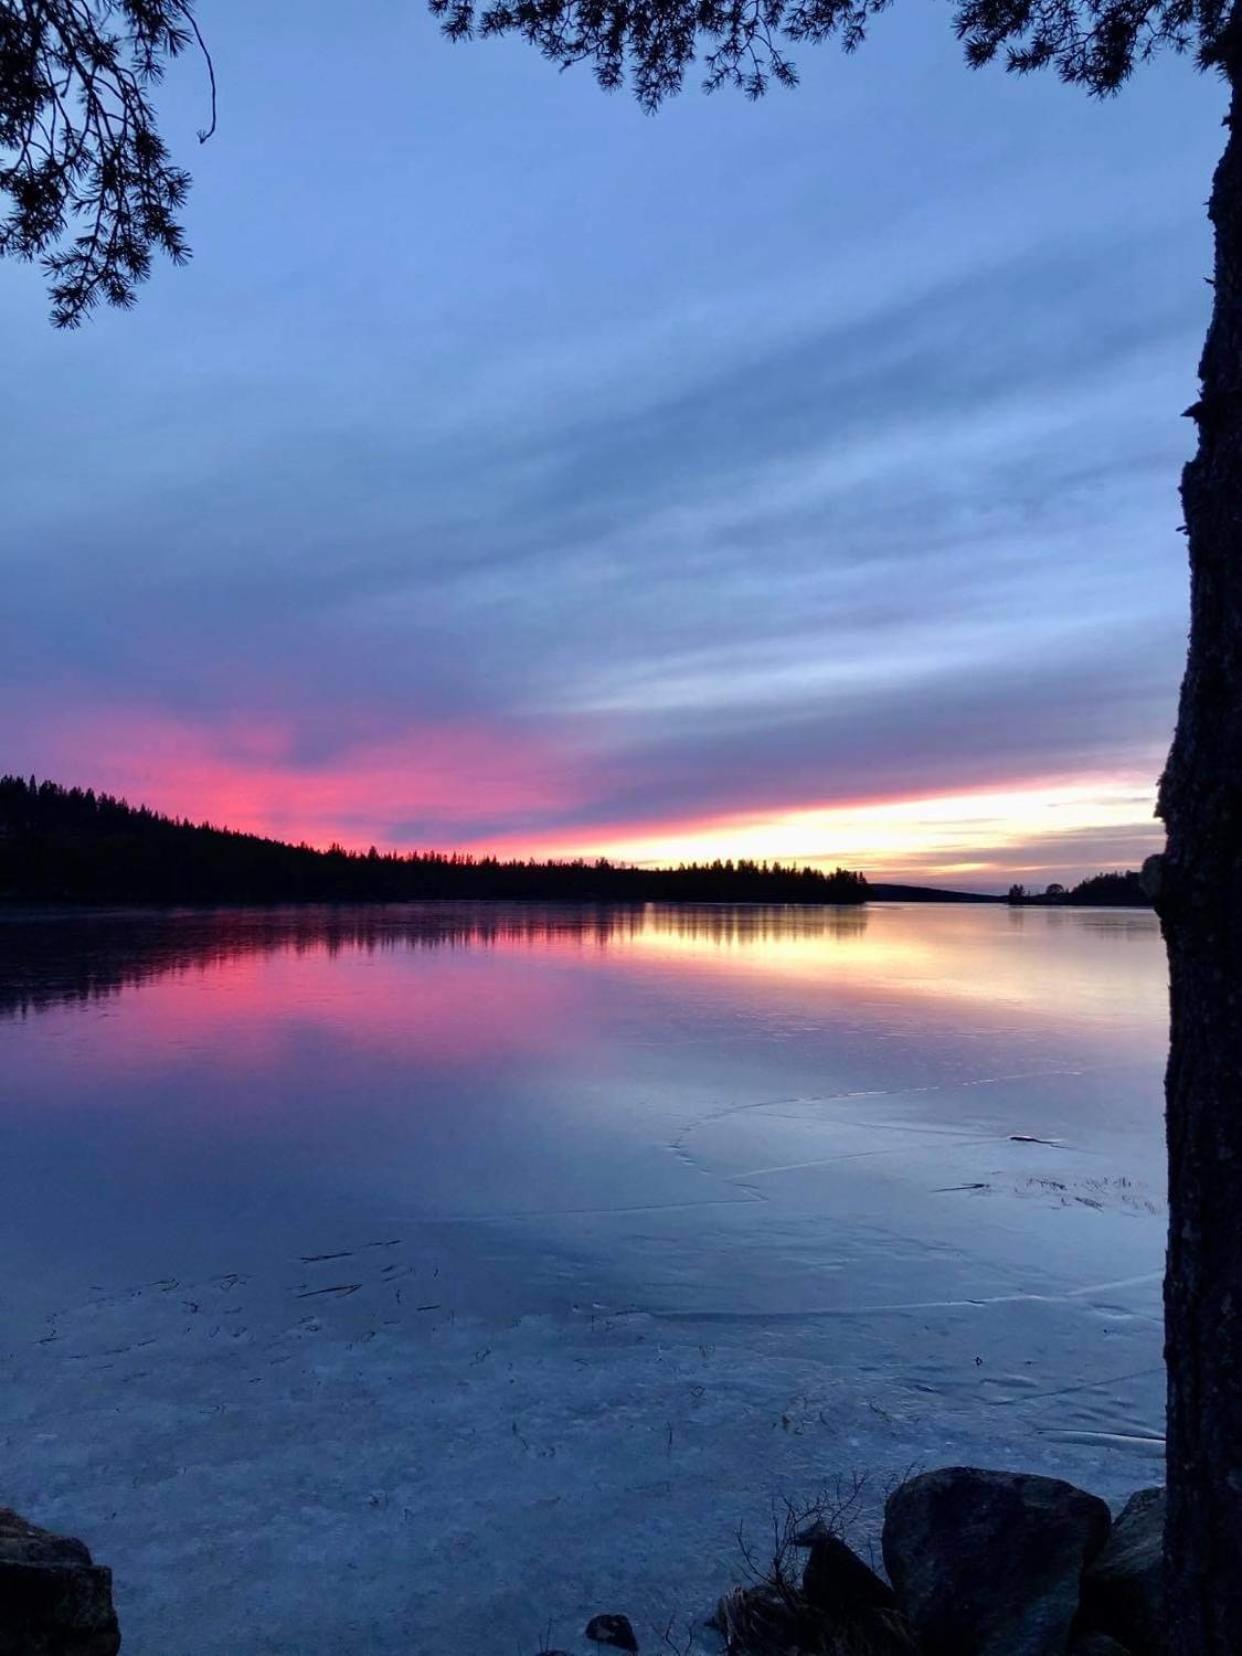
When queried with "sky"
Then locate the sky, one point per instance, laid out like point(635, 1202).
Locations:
point(513, 470)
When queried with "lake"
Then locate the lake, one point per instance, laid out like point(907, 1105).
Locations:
point(430, 1277)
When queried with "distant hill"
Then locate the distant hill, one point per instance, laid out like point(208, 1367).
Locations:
point(882, 892)
point(1115, 890)
point(72, 845)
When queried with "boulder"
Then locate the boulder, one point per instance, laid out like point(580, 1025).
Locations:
point(54, 1601)
point(1096, 1644)
point(837, 1583)
point(612, 1630)
point(991, 1563)
point(1123, 1591)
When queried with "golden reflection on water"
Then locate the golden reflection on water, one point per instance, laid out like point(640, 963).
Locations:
point(1099, 960)
point(1096, 963)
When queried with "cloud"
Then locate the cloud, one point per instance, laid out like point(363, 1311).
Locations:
point(656, 477)
point(446, 781)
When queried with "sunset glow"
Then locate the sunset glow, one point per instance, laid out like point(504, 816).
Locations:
point(958, 838)
point(463, 785)
point(532, 536)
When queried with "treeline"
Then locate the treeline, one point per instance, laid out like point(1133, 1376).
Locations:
point(74, 845)
point(1115, 890)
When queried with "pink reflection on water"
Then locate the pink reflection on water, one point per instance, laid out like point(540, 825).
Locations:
point(456, 983)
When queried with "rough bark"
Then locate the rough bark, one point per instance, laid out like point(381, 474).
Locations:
point(1199, 897)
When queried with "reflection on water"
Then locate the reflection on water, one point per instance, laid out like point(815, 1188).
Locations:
point(473, 1060)
point(51, 957)
point(1067, 961)
point(461, 1236)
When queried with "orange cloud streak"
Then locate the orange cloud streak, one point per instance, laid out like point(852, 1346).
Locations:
point(983, 833)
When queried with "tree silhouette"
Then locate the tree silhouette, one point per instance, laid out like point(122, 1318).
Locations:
point(91, 189)
point(85, 163)
point(73, 845)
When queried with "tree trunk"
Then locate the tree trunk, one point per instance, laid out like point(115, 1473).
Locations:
point(1199, 898)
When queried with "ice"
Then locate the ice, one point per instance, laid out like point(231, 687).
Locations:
point(436, 1290)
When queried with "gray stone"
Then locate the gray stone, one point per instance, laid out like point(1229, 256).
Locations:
point(54, 1601)
point(990, 1563)
point(838, 1583)
point(612, 1630)
point(1123, 1591)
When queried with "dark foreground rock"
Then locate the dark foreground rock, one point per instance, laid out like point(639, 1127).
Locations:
point(54, 1601)
point(612, 1630)
point(1123, 1591)
point(836, 1582)
point(991, 1563)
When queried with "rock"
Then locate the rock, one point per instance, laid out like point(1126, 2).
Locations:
point(1123, 1591)
point(815, 1531)
point(838, 1583)
point(1096, 1644)
point(990, 1563)
point(612, 1630)
point(54, 1601)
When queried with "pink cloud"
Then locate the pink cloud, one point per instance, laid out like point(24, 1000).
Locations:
point(244, 773)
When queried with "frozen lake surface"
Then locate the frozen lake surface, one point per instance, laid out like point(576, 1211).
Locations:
point(424, 1279)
